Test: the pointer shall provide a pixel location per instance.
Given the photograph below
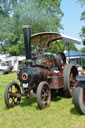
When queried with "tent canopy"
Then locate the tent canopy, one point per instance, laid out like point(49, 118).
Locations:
point(73, 54)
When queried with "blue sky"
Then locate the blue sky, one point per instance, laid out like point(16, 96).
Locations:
point(71, 20)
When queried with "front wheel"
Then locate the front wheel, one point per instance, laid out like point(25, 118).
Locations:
point(12, 95)
point(43, 95)
point(79, 97)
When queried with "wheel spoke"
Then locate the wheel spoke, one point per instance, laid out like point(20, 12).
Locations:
point(42, 96)
point(9, 93)
point(45, 97)
point(70, 78)
point(12, 101)
point(43, 91)
point(72, 81)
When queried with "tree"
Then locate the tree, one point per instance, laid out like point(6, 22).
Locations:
point(57, 47)
point(82, 50)
point(41, 15)
point(82, 2)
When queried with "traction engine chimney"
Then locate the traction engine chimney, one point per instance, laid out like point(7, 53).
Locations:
point(27, 42)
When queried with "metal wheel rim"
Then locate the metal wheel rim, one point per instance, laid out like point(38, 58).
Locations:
point(12, 96)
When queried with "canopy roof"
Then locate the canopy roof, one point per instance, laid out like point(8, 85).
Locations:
point(44, 38)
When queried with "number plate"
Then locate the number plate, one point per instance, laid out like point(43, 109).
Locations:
point(25, 85)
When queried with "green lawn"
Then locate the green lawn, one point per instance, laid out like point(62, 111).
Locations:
point(60, 114)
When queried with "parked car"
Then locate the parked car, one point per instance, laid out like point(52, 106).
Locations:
point(5, 67)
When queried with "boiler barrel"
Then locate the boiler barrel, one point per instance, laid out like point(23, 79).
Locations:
point(29, 75)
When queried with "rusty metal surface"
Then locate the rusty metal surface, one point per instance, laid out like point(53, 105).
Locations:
point(57, 82)
point(48, 68)
point(44, 38)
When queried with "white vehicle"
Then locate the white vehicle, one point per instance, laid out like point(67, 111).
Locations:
point(18, 63)
point(5, 67)
point(15, 61)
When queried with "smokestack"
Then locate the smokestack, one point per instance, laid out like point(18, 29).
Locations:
point(27, 41)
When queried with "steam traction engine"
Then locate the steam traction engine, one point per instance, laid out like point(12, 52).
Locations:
point(42, 74)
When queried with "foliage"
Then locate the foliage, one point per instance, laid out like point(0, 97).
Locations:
point(55, 47)
point(82, 50)
point(60, 114)
point(83, 32)
point(82, 2)
point(83, 16)
point(41, 15)
point(71, 46)
point(59, 46)
point(17, 49)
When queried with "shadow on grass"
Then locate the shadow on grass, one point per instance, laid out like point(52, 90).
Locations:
point(55, 99)
point(26, 102)
point(31, 101)
point(74, 111)
point(58, 97)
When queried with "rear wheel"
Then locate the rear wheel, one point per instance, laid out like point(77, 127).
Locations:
point(43, 95)
point(70, 72)
point(79, 97)
point(12, 95)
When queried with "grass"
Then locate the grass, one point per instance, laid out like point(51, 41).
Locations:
point(60, 114)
